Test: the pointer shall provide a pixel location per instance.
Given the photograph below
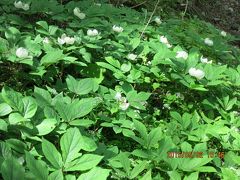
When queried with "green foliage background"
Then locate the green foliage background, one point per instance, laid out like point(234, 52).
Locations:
point(59, 116)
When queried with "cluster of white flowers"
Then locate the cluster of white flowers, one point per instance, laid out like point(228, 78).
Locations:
point(78, 13)
point(22, 53)
point(164, 40)
point(117, 29)
point(208, 41)
point(205, 60)
point(197, 73)
point(132, 56)
point(92, 32)
point(158, 20)
point(21, 5)
point(182, 54)
point(65, 39)
point(123, 104)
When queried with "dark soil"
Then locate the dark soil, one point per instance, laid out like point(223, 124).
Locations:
point(225, 14)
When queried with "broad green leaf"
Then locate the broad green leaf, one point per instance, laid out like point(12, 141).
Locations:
point(51, 154)
point(70, 145)
point(153, 137)
point(138, 169)
point(37, 168)
point(3, 125)
point(126, 67)
point(56, 175)
point(46, 126)
point(87, 144)
point(174, 175)
point(134, 43)
point(83, 86)
point(12, 98)
point(192, 176)
point(30, 107)
point(16, 145)
point(124, 160)
point(113, 62)
point(147, 176)
point(43, 97)
point(52, 57)
point(85, 162)
point(96, 173)
point(5, 109)
point(12, 170)
point(16, 118)
point(140, 127)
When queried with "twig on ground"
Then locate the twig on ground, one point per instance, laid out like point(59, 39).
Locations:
point(149, 20)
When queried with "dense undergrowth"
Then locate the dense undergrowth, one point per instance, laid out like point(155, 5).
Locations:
point(85, 94)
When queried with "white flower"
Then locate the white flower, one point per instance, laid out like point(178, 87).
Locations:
point(149, 63)
point(118, 96)
point(18, 4)
point(124, 106)
point(158, 20)
point(98, 4)
point(92, 32)
point(117, 29)
point(182, 54)
point(164, 40)
point(78, 13)
point(223, 33)
point(199, 74)
point(132, 56)
point(69, 40)
point(22, 52)
point(46, 40)
point(21, 5)
point(208, 42)
point(205, 60)
point(65, 39)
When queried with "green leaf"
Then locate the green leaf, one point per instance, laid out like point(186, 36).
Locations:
point(96, 173)
point(16, 118)
point(134, 43)
point(83, 86)
point(87, 144)
point(70, 145)
point(5, 109)
point(30, 107)
point(138, 169)
point(85, 162)
point(192, 176)
point(51, 154)
point(126, 67)
point(147, 176)
point(12, 98)
point(56, 175)
point(124, 160)
point(174, 175)
point(46, 126)
point(154, 136)
point(113, 62)
point(12, 170)
point(52, 57)
point(140, 128)
point(3, 125)
point(37, 168)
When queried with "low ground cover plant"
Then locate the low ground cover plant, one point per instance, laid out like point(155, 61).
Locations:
point(88, 91)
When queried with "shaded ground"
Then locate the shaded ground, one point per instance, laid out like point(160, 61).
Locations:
point(225, 14)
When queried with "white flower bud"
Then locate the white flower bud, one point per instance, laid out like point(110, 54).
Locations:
point(223, 33)
point(69, 40)
point(164, 40)
point(158, 20)
point(22, 52)
point(132, 56)
point(124, 106)
point(92, 32)
point(182, 54)
point(25, 7)
point(18, 4)
point(78, 13)
point(199, 74)
point(205, 60)
point(117, 29)
point(118, 96)
point(208, 42)
point(46, 40)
